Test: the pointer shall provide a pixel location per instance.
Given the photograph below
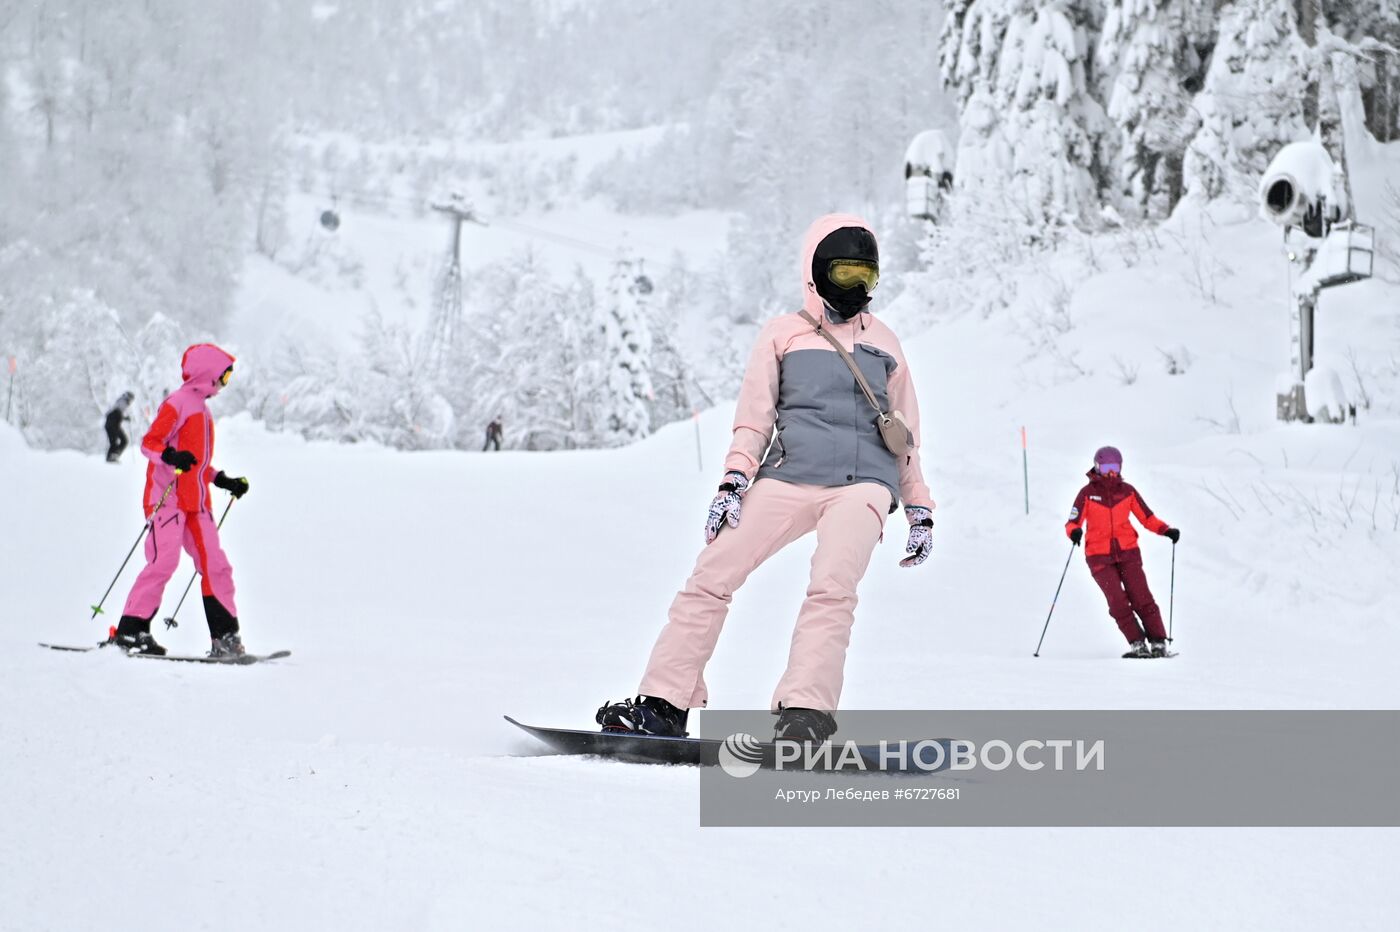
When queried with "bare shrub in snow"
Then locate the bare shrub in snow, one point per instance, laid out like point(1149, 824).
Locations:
point(1228, 423)
point(1177, 359)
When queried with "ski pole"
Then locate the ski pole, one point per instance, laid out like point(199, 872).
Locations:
point(1171, 598)
point(97, 609)
point(1056, 599)
point(170, 621)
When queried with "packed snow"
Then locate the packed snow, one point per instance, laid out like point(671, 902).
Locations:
point(370, 782)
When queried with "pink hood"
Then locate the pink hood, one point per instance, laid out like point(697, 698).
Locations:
point(820, 229)
point(201, 367)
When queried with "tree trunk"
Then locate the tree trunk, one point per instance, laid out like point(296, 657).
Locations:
point(1307, 12)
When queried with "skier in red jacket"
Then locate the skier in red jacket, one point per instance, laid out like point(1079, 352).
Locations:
point(1110, 546)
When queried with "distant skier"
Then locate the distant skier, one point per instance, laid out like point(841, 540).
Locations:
point(116, 436)
point(180, 446)
point(494, 434)
point(826, 469)
point(1111, 549)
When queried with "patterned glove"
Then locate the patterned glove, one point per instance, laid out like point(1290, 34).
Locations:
point(236, 486)
point(920, 535)
point(727, 505)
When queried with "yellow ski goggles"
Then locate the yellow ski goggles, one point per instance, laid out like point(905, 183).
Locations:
point(847, 273)
point(228, 374)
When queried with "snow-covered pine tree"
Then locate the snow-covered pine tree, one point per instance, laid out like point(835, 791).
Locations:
point(1370, 33)
point(1252, 101)
point(79, 360)
point(1030, 125)
point(673, 382)
point(627, 353)
point(1151, 58)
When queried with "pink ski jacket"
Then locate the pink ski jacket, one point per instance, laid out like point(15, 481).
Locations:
point(801, 416)
point(184, 422)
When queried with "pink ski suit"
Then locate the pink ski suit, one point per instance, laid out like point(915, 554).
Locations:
point(184, 423)
point(805, 435)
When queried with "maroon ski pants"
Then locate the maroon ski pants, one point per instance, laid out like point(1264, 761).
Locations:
point(1125, 586)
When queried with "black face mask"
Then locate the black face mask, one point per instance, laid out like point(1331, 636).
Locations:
point(845, 243)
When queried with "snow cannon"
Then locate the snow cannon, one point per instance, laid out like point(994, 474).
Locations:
point(1302, 189)
point(928, 174)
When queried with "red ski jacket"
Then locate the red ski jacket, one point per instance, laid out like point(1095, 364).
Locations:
point(1104, 506)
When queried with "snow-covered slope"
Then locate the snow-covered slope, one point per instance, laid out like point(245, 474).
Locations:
point(369, 782)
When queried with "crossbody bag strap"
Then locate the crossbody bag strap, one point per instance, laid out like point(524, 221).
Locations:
point(855, 370)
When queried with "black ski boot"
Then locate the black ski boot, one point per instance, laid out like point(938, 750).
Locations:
point(1137, 649)
point(647, 715)
point(228, 646)
point(134, 636)
point(1160, 649)
point(806, 725)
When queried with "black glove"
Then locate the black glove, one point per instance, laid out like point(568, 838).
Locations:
point(1172, 534)
point(182, 460)
point(1076, 535)
point(237, 486)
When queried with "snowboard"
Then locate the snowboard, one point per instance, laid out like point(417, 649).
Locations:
point(241, 661)
point(656, 749)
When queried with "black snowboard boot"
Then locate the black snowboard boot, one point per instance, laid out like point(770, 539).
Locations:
point(1138, 649)
point(806, 725)
point(647, 715)
point(228, 646)
point(134, 636)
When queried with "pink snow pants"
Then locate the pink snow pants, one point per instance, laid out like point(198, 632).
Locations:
point(849, 521)
point(169, 531)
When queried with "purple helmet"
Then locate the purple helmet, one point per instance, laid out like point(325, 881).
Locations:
point(1108, 456)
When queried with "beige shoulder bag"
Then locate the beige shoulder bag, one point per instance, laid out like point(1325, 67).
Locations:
point(893, 428)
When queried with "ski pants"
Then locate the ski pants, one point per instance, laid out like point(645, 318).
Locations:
point(849, 521)
point(116, 443)
point(1125, 586)
point(168, 532)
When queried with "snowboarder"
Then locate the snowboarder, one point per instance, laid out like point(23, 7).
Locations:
point(180, 447)
point(1111, 549)
point(825, 468)
point(494, 434)
point(116, 437)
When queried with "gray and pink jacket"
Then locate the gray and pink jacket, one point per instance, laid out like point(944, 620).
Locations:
point(802, 418)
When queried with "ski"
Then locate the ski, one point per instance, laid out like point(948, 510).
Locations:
point(241, 660)
point(1167, 656)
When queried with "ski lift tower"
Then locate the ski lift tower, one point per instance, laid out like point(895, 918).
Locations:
point(447, 302)
point(1303, 191)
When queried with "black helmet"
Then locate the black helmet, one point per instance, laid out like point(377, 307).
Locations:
point(845, 269)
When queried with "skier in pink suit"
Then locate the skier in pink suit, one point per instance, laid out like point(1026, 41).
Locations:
point(180, 447)
point(806, 456)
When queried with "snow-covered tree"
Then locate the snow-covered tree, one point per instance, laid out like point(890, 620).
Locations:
point(1252, 101)
point(1150, 61)
point(627, 347)
point(1021, 71)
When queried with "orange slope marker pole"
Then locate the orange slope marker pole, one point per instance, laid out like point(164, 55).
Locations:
point(1026, 469)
